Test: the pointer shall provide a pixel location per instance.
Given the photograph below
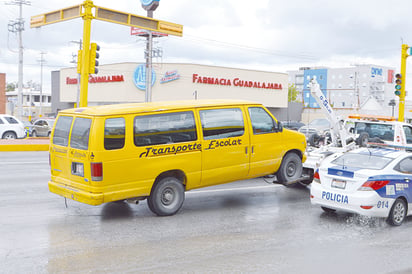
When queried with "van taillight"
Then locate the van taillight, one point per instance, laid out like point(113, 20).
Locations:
point(97, 171)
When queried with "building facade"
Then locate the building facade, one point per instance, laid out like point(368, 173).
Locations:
point(125, 82)
point(35, 104)
point(349, 89)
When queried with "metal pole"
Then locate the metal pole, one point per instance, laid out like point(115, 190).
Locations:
point(84, 78)
point(18, 26)
point(149, 48)
point(41, 83)
point(401, 116)
point(20, 83)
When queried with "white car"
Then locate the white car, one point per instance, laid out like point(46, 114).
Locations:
point(11, 127)
point(374, 182)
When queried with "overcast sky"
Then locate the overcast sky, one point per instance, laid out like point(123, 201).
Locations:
point(269, 35)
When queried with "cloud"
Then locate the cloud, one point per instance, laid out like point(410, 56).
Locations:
point(263, 35)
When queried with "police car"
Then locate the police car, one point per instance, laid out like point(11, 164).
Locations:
point(374, 182)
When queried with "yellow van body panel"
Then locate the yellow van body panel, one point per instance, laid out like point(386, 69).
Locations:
point(131, 169)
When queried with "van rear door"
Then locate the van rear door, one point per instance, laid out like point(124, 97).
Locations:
point(69, 156)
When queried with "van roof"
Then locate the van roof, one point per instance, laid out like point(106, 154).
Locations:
point(115, 109)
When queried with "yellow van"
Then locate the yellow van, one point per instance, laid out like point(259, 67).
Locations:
point(160, 150)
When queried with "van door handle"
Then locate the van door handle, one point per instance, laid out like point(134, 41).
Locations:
point(246, 150)
point(253, 149)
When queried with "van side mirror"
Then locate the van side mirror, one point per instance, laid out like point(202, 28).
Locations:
point(279, 126)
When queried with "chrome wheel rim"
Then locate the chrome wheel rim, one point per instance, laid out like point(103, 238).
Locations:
point(398, 213)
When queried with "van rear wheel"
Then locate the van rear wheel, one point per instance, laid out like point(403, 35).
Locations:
point(290, 169)
point(167, 197)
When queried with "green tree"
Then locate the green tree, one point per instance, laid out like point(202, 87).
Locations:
point(293, 94)
point(11, 86)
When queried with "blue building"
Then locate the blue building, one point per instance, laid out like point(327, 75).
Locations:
point(322, 78)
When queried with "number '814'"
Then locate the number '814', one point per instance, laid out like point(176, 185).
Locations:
point(383, 204)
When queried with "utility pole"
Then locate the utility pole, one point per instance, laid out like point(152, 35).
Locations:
point(78, 74)
point(18, 26)
point(149, 6)
point(41, 61)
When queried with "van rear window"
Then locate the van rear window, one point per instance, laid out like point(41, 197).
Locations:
point(80, 133)
point(62, 130)
point(165, 128)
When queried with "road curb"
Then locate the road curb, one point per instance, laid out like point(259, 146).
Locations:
point(40, 147)
point(28, 144)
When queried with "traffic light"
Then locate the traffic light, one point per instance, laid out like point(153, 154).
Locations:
point(94, 54)
point(398, 84)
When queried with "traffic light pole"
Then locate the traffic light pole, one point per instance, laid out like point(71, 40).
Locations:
point(401, 116)
point(84, 74)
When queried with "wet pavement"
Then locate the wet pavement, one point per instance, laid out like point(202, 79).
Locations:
point(246, 226)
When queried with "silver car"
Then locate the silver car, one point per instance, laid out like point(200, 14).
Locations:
point(42, 127)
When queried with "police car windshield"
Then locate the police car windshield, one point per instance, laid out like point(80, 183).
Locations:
point(362, 161)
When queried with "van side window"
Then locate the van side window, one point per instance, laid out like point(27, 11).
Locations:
point(62, 130)
point(262, 122)
point(165, 128)
point(114, 133)
point(80, 133)
point(222, 123)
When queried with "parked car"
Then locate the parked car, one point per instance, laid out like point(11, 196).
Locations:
point(294, 125)
point(11, 127)
point(374, 182)
point(317, 131)
point(42, 127)
point(28, 126)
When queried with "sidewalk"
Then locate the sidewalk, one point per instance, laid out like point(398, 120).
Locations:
point(27, 144)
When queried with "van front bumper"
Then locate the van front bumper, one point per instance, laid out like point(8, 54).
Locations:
point(76, 194)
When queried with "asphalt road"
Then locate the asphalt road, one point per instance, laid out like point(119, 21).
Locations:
point(246, 226)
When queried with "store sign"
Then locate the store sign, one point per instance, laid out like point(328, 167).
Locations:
point(139, 77)
point(170, 76)
point(376, 72)
point(97, 79)
point(237, 82)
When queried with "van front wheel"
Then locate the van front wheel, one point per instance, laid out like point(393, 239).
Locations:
point(290, 169)
point(167, 197)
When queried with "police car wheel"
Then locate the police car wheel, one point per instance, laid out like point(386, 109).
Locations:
point(398, 212)
point(167, 197)
point(290, 169)
point(328, 210)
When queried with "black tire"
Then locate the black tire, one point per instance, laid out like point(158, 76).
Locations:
point(398, 212)
point(34, 134)
point(9, 135)
point(290, 168)
point(167, 197)
point(328, 210)
point(314, 140)
point(363, 139)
